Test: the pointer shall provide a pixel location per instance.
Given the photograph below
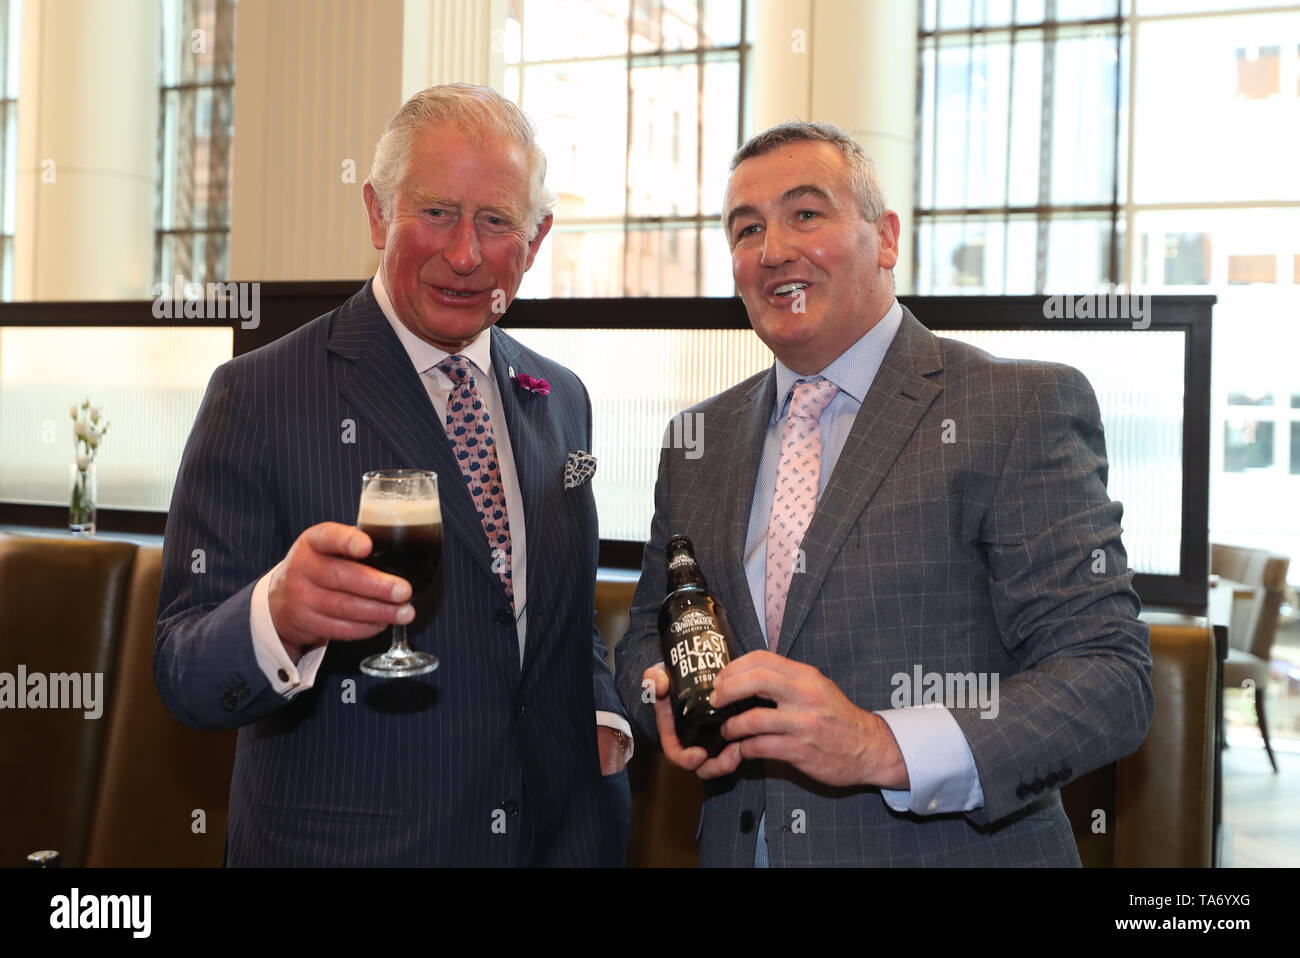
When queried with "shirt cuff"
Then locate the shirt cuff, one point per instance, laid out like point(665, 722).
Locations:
point(286, 678)
point(616, 721)
point(940, 767)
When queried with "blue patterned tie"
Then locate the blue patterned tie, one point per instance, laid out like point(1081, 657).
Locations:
point(469, 430)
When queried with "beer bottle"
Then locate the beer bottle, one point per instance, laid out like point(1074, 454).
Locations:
point(697, 644)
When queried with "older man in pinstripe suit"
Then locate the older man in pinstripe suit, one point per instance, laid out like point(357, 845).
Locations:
point(513, 752)
point(884, 504)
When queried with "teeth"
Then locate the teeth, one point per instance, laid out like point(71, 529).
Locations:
point(788, 288)
point(452, 292)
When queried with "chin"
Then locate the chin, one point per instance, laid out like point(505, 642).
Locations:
point(454, 330)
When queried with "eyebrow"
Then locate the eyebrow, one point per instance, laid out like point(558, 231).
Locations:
point(803, 189)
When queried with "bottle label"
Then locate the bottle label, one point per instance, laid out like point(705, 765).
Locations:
point(699, 652)
point(679, 560)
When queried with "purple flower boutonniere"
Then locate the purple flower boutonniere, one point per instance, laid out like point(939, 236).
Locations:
point(530, 383)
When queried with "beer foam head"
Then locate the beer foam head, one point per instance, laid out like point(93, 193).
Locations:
point(399, 512)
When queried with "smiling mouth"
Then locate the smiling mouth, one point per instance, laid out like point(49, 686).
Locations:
point(787, 290)
point(462, 293)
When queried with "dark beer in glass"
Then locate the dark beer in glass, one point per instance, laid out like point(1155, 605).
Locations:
point(401, 514)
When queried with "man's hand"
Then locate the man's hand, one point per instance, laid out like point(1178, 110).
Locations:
point(321, 592)
point(612, 757)
point(814, 727)
point(694, 759)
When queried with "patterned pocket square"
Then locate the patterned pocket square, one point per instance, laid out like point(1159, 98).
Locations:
point(579, 469)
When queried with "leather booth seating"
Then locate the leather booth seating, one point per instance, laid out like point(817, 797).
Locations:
point(134, 787)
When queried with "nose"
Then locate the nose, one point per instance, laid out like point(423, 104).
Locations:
point(776, 247)
point(462, 252)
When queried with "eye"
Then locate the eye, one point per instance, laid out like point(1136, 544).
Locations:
point(806, 215)
point(747, 230)
point(436, 213)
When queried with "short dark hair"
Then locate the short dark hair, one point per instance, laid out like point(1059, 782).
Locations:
point(863, 179)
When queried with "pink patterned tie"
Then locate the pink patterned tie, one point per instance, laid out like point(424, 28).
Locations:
point(469, 430)
point(795, 497)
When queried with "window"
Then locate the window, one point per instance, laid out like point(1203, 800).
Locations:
point(1021, 135)
point(11, 21)
point(644, 97)
point(196, 123)
point(1040, 172)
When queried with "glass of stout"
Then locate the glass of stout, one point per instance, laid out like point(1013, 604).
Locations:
point(400, 512)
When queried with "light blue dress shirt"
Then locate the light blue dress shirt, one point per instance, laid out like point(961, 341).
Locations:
point(940, 767)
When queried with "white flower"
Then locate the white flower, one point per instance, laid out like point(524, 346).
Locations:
point(92, 437)
point(79, 429)
point(94, 414)
point(72, 411)
point(83, 462)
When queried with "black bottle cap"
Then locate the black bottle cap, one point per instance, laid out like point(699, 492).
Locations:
point(680, 541)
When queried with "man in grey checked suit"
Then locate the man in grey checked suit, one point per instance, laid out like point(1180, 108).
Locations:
point(512, 752)
point(960, 528)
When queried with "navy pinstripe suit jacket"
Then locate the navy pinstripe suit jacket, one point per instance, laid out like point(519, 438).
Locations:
point(483, 762)
point(966, 529)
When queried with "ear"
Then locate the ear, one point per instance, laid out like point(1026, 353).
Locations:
point(888, 228)
point(378, 225)
point(536, 242)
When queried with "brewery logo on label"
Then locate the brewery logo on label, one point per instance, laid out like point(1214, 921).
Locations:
point(679, 560)
point(701, 655)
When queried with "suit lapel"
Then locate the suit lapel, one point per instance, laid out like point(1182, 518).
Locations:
point(388, 394)
point(740, 443)
point(899, 396)
point(532, 433)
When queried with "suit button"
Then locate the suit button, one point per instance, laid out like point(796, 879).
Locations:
point(510, 807)
point(1038, 785)
point(505, 617)
point(746, 821)
point(235, 695)
point(1022, 791)
point(282, 675)
point(519, 710)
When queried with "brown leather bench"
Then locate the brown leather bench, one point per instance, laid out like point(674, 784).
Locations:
point(165, 787)
point(119, 789)
point(61, 607)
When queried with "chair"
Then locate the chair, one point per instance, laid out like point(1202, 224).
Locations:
point(157, 772)
point(666, 801)
point(1254, 620)
point(1158, 803)
point(61, 609)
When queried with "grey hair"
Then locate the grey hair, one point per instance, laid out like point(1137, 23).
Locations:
point(476, 111)
point(863, 179)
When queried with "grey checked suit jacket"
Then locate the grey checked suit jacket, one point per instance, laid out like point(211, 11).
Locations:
point(482, 762)
point(974, 555)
